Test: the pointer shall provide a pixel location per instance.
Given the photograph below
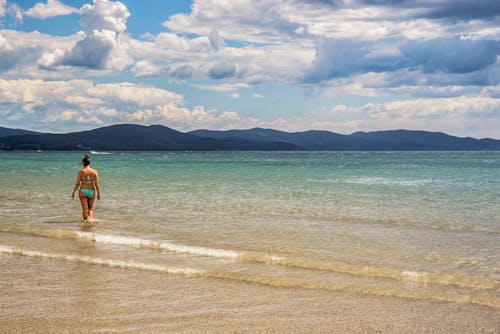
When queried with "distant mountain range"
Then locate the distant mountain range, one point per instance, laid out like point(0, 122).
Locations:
point(129, 137)
point(6, 132)
point(393, 140)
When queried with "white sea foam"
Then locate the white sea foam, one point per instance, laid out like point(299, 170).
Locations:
point(354, 269)
point(100, 261)
point(257, 279)
point(412, 275)
point(388, 181)
point(6, 249)
point(137, 242)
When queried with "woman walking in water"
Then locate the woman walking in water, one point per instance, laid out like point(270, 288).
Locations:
point(88, 182)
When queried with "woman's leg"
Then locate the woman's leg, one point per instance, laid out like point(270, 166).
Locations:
point(85, 206)
point(91, 206)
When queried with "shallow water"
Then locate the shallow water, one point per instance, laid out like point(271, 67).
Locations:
point(253, 242)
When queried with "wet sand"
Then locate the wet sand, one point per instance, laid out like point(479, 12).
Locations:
point(86, 298)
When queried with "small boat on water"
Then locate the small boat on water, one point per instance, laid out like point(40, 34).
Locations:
point(97, 152)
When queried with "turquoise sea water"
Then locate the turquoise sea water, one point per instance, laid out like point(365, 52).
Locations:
point(407, 225)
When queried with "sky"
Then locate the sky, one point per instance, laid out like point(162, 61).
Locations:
point(292, 65)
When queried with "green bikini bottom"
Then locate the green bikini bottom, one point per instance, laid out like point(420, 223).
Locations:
point(88, 192)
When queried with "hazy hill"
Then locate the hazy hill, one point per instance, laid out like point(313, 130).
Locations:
point(127, 137)
point(395, 140)
point(307, 140)
point(7, 132)
point(424, 140)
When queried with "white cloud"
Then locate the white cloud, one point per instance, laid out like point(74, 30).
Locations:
point(12, 10)
point(3, 4)
point(222, 70)
point(71, 104)
point(185, 119)
point(289, 30)
point(145, 68)
point(365, 23)
point(82, 101)
point(170, 41)
point(365, 36)
point(343, 58)
point(104, 15)
point(103, 45)
point(227, 87)
point(406, 82)
point(92, 51)
point(65, 115)
point(216, 40)
point(50, 9)
point(45, 96)
point(92, 116)
point(282, 21)
point(195, 58)
point(244, 20)
point(182, 71)
point(34, 43)
point(463, 115)
point(130, 93)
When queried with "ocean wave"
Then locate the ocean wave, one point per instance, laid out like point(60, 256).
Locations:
point(144, 243)
point(445, 226)
point(274, 281)
point(424, 277)
point(100, 261)
point(367, 180)
point(389, 181)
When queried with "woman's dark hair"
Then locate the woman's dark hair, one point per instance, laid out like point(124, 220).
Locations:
point(86, 160)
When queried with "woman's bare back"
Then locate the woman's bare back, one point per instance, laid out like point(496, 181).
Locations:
point(88, 177)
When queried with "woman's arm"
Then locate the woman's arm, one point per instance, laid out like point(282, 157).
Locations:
point(96, 183)
point(77, 184)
